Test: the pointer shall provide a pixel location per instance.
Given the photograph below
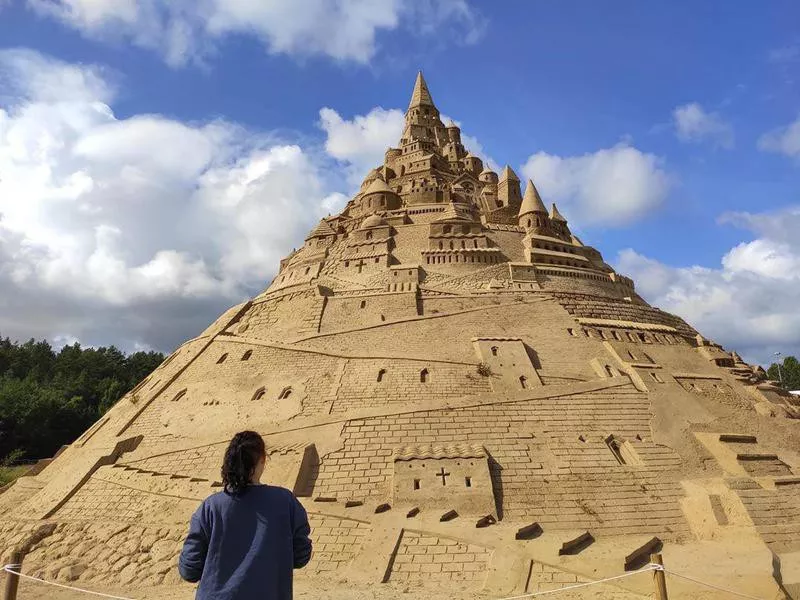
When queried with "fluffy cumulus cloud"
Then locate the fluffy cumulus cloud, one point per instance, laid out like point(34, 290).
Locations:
point(139, 230)
point(749, 303)
point(613, 186)
point(783, 140)
point(361, 142)
point(694, 124)
point(187, 30)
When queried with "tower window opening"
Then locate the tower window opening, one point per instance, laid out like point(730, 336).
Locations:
point(632, 355)
point(656, 377)
point(643, 337)
point(260, 393)
point(610, 371)
point(614, 445)
point(222, 358)
point(494, 350)
point(285, 393)
point(363, 304)
point(179, 395)
point(468, 481)
point(423, 376)
point(381, 373)
point(247, 355)
point(416, 484)
point(523, 382)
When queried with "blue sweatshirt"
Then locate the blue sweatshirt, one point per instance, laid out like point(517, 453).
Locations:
point(245, 547)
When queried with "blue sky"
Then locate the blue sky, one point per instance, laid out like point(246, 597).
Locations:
point(668, 132)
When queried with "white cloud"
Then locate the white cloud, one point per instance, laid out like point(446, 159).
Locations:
point(783, 140)
point(361, 142)
point(749, 303)
point(145, 227)
point(613, 186)
point(186, 30)
point(694, 124)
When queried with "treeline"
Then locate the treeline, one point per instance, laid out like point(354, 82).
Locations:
point(789, 373)
point(48, 398)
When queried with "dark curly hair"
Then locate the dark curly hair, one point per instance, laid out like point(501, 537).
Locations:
point(241, 457)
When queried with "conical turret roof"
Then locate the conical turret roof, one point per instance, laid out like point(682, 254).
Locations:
point(555, 215)
point(508, 173)
point(531, 201)
point(420, 96)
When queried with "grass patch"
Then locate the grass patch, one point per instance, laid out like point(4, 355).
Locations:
point(9, 474)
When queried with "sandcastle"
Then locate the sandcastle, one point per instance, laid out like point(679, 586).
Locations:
point(462, 394)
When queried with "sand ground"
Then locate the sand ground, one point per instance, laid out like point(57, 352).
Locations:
point(339, 590)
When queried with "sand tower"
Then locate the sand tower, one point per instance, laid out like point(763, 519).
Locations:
point(462, 393)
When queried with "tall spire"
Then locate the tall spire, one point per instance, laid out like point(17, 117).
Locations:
point(532, 202)
point(555, 215)
point(420, 95)
point(508, 173)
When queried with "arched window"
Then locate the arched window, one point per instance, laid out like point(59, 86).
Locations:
point(610, 371)
point(285, 393)
point(247, 355)
point(529, 223)
point(494, 350)
point(222, 358)
point(369, 235)
point(423, 376)
point(363, 304)
point(441, 246)
point(259, 393)
point(632, 355)
point(447, 229)
point(523, 382)
point(381, 373)
point(179, 395)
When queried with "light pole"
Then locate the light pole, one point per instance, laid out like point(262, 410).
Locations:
point(778, 362)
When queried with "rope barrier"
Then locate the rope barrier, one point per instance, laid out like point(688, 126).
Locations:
point(711, 585)
point(645, 569)
point(11, 569)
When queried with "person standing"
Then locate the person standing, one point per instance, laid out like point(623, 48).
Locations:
point(245, 541)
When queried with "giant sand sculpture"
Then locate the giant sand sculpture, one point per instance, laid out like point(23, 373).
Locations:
point(462, 393)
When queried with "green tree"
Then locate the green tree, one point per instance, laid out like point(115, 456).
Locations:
point(48, 398)
point(789, 373)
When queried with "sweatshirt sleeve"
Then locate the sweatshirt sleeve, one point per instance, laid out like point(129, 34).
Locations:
point(195, 547)
point(302, 541)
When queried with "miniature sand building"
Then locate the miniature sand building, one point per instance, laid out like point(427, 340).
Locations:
point(443, 353)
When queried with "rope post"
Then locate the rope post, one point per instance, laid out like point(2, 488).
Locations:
point(659, 578)
point(12, 579)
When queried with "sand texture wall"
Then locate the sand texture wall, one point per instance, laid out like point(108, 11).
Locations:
point(455, 386)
